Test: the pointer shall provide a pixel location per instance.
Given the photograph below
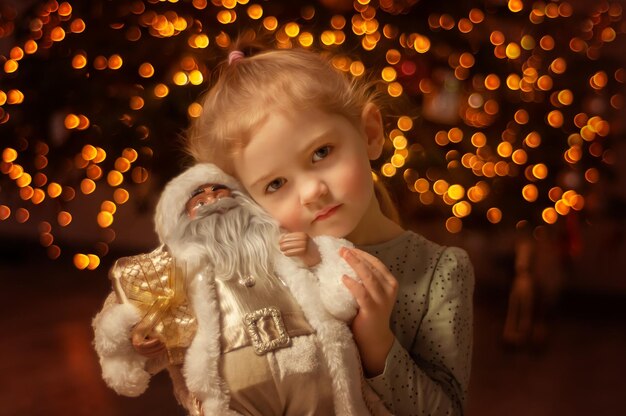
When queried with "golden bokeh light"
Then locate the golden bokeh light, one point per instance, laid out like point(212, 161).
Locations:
point(64, 218)
point(120, 196)
point(81, 261)
point(114, 178)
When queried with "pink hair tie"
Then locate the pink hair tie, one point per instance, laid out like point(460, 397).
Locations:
point(234, 56)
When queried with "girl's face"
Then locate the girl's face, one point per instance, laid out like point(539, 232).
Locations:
point(311, 172)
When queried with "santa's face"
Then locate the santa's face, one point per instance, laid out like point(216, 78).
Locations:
point(205, 195)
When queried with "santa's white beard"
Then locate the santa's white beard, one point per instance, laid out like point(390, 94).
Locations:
point(236, 239)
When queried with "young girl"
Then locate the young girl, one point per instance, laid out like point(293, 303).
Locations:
point(299, 136)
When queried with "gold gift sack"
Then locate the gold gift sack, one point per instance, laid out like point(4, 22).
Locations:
point(155, 283)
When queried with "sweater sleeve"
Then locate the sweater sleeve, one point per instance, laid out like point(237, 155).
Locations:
point(431, 378)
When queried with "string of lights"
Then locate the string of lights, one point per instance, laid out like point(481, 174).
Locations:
point(514, 105)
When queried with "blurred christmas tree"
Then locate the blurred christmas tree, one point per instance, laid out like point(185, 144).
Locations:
point(510, 108)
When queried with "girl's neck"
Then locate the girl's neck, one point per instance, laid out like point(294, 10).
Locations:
point(374, 227)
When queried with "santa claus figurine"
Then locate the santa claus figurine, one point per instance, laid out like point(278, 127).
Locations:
point(246, 320)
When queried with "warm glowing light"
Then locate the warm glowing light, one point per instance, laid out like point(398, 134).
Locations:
point(494, 215)
point(513, 50)
point(195, 77)
point(146, 70)
point(516, 6)
point(5, 212)
point(180, 78)
point(555, 118)
point(64, 218)
point(30, 47)
point(461, 209)
point(388, 74)
point(270, 23)
point(57, 34)
point(405, 123)
point(292, 29)
point(513, 82)
point(394, 89)
point(505, 149)
point(456, 192)
point(81, 261)
point(547, 43)
point(530, 193)
point(115, 178)
point(540, 171)
point(492, 82)
point(454, 225)
point(455, 135)
point(479, 139)
point(22, 215)
point(388, 170)
point(100, 155)
point(87, 186)
point(120, 196)
point(161, 90)
point(89, 152)
point(105, 219)
point(54, 190)
point(194, 110)
point(122, 164)
point(549, 215)
point(9, 155)
point(139, 174)
point(115, 62)
point(598, 80)
point(400, 142)
point(78, 26)
point(496, 38)
point(10, 66)
point(565, 97)
point(255, 11)
point(306, 39)
point(79, 61)
point(136, 103)
point(466, 60)
point(544, 83)
point(357, 68)
point(421, 44)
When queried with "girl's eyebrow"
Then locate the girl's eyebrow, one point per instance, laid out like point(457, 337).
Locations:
point(311, 146)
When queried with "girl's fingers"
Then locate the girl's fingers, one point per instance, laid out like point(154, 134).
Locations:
point(369, 276)
point(382, 272)
point(359, 292)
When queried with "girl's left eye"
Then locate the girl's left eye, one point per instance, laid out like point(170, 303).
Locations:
point(321, 153)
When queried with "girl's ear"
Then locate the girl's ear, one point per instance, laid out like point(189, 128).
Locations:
point(372, 122)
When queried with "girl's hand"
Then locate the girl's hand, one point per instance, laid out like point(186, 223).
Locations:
point(376, 296)
point(300, 245)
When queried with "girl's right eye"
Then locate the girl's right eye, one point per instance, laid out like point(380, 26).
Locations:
point(275, 185)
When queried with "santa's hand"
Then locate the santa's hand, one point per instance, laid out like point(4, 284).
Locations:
point(300, 245)
point(148, 346)
point(376, 295)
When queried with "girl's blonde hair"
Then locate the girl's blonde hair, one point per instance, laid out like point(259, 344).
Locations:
point(249, 88)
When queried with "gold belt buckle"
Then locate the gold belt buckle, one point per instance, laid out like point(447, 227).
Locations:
point(251, 322)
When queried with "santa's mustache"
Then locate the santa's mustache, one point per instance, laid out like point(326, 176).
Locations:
point(219, 206)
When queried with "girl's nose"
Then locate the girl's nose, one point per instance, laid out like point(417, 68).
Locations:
point(312, 190)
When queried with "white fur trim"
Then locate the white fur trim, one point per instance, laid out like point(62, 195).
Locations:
point(201, 368)
point(122, 367)
point(126, 376)
point(334, 336)
point(334, 294)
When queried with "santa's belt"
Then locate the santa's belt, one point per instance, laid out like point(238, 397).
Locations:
point(265, 329)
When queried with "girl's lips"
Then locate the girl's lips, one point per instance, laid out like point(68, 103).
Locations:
point(326, 212)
